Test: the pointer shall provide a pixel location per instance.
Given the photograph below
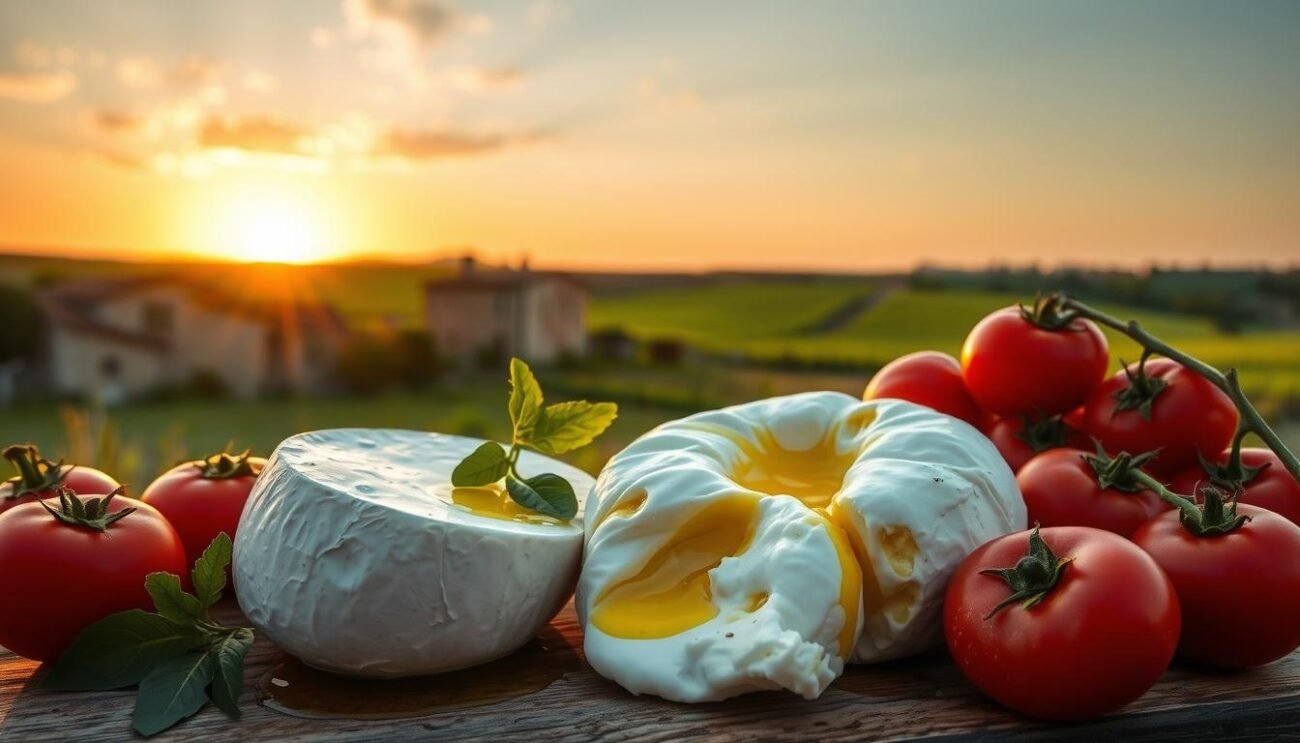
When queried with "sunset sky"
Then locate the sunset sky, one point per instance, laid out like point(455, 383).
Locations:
point(812, 135)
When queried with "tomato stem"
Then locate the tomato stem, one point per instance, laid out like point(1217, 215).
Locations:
point(223, 466)
point(35, 473)
point(1217, 516)
point(1251, 420)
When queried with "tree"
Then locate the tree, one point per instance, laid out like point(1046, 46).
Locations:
point(20, 323)
point(417, 359)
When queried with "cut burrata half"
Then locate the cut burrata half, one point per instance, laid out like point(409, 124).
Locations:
point(762, 546)
point(356, 555)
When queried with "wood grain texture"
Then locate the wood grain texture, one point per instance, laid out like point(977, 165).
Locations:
point(907, 700)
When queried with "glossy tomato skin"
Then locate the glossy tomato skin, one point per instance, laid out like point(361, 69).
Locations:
point(1013, 367)
point(1188, 416)
point(59, 579)
point(82, 480)
point(200, 508)
point(1061, 489)
point(1273, 488)
point(1097, 641)
point(1005, 433)
point(1240, 591)
point(927, 378)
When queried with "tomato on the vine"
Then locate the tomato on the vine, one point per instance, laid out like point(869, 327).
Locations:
point(1262, 479)
point(1093, 625)
point(1161, 405)
point(38, 478)
point(71, 563)
point(927, 378)
point(205, 498)
point(1040, 362)
point(1019, 439)
point(1071, 487)
point(1238, 583)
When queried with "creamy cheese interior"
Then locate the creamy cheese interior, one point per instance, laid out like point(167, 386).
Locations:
point(672, 592)
point(891, 496)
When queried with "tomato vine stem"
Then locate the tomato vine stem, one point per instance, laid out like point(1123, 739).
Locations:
point(1251, 420)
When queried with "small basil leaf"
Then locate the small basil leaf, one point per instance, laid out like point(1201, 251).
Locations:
point(171, 600)
point(486, 465)
point(566, 426)
point(120, 650)
point(525, 399)
point(173, 691)
point(227, 658)
point(547, 494)
point(209, 573)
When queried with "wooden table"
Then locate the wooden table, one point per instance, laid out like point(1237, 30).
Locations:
point(907, 700)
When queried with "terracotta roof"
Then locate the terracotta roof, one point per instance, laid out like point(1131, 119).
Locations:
point(498, 281)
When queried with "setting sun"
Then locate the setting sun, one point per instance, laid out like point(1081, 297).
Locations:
point(274, 232)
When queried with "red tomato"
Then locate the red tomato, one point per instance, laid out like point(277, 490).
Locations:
point(1019, 439)
point(59, 578)
point(1188, 415)
point(1271, 487)
point(1013, 367)
point(205, 497)
point(1098, 638)
point(39, 478)
point(1061, 488)
point(927, 378)
point(1240, 591)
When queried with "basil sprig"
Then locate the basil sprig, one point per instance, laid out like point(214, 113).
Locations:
point(179, 657)
point(554, 429)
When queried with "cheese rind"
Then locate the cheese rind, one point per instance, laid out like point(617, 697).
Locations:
point(351, 556)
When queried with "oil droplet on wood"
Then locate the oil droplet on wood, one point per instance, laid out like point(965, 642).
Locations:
point(294, 688)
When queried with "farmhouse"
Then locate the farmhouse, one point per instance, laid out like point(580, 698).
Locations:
point(114, 339)
point(495, 314)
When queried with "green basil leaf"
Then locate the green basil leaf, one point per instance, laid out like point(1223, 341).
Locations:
point(486, 465)
point(171, 600)
point(120, 650)
point(547, 494)
point(173, 691)
point(209, 573)
point(227, 657)
point(566, 426)
point(525, 399)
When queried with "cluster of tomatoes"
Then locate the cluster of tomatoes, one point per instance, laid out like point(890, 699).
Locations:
point(75, 552)
point(1151, 539)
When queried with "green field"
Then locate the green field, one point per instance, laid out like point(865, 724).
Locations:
point(735, 319)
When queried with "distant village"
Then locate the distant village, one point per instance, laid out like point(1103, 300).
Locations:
point(110, 340)
point(114, 339)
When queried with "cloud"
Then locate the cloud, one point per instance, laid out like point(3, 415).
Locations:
point(428, 144)
point(483, 79)
point(354, 141)
point(399, 31)
point(115, 122)
point(144, 72)
point(419, 23)
point(36, 87)
point(253, 134)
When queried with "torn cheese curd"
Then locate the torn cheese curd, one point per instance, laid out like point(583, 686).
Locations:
point(356, 555)
point(765, 545)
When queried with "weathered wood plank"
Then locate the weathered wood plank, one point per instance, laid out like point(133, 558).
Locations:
point(918, 698)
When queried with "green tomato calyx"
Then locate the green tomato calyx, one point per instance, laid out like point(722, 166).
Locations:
point(1033, 576)
point(88, 513)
